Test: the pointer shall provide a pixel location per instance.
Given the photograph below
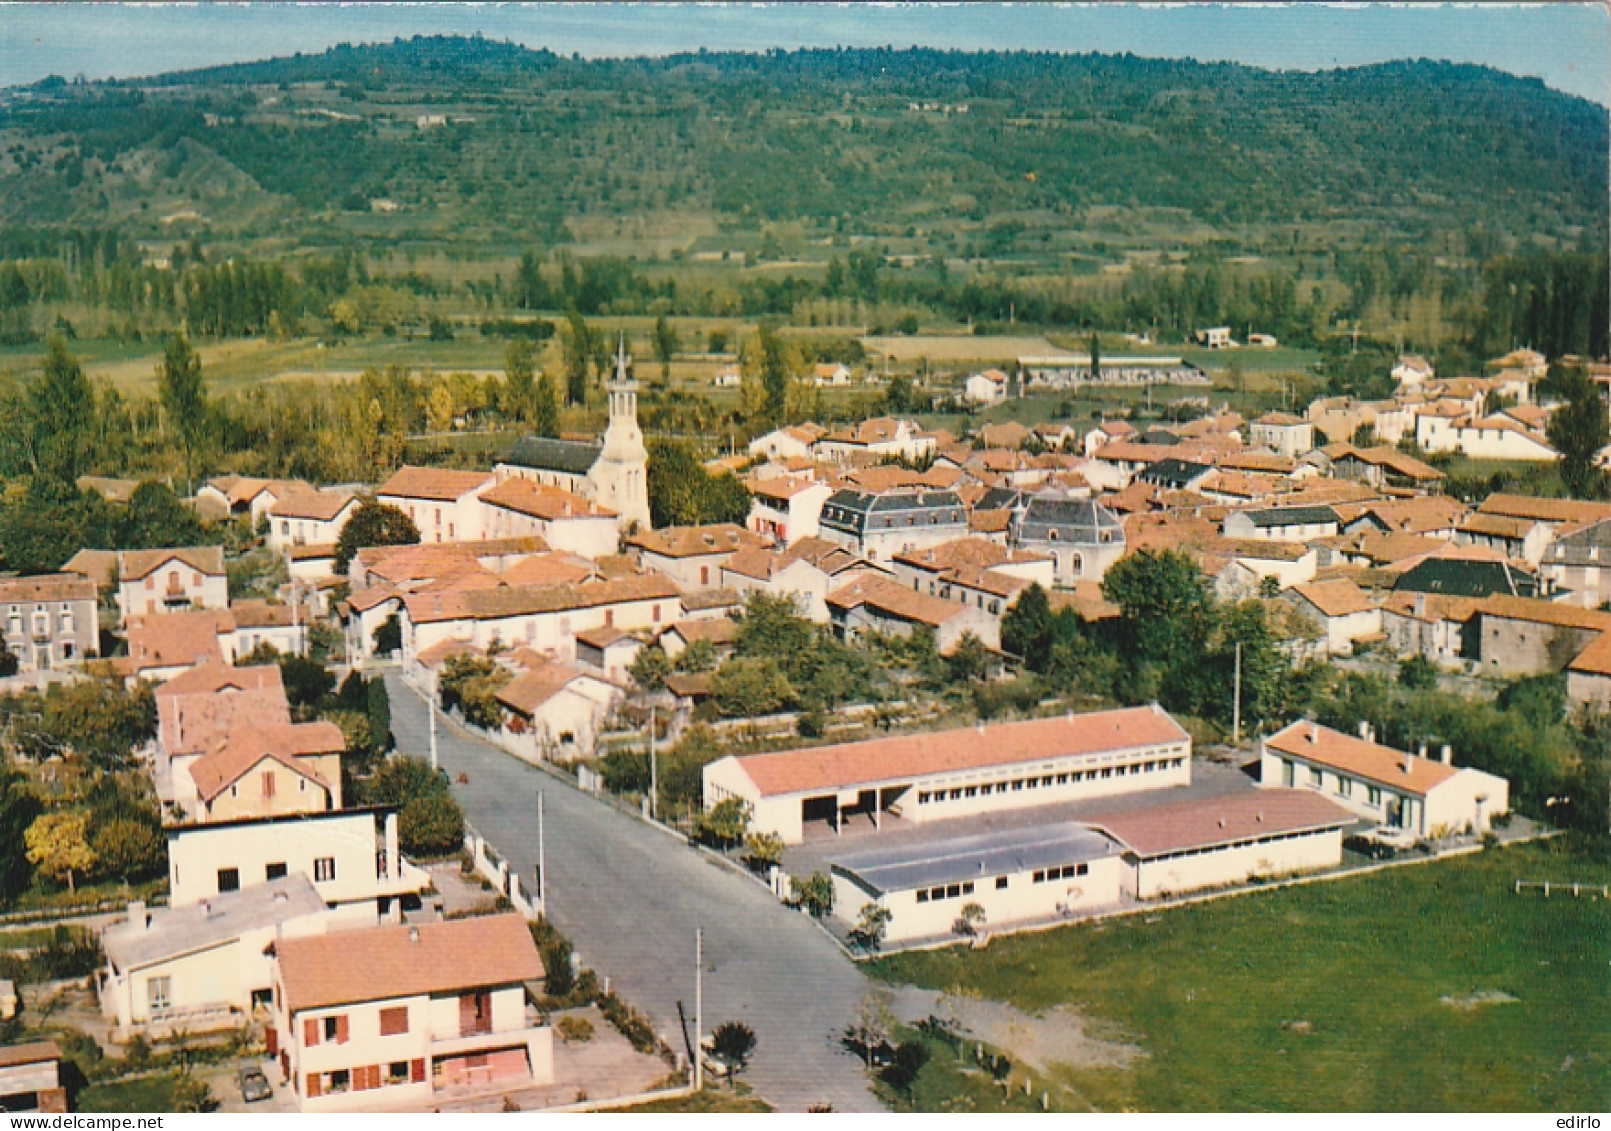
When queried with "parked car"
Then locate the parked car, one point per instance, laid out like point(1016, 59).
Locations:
point(254, 1085)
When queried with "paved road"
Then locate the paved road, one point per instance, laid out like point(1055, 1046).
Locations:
point(629, 898)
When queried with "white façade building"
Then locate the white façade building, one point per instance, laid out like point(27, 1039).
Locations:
point(879, 525)
point(1218, 841)
point(1016, 876)
point(1420, 796)
point(398, 1015)
point(955, 773)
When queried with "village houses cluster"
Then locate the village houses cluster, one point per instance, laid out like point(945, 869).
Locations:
point(287, 900)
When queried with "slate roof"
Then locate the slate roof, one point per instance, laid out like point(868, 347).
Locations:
point(1005, 852)
point(1465, 577)
point(1174, 472)
point(539, 453)
point(1290, 516)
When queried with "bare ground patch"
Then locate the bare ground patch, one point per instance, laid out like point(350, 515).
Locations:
point(1060, 1036)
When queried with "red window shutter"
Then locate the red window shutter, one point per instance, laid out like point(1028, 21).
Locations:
point(310, 1032)
point(271, 1039)
point(268, 783)
point(416, 1070)
point(341, 1029)
point(313, 1084)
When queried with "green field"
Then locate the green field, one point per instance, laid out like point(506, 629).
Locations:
point(1331, 997)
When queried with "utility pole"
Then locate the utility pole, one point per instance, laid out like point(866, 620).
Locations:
point(654, 771)
point(542, 872)
point(1236, 699)
point(699, 1009)
point(430, 705)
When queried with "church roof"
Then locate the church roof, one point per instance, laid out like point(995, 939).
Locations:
point(543, 454)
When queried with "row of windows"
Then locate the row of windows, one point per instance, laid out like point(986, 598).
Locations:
point(229, 879)
point(946, 891)
point(1061, 873)
point(41, 624)
point(365, 1077)
point(958, 793)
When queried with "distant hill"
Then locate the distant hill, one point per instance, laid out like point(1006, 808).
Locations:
point(486, 143)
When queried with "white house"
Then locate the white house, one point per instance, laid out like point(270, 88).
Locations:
point(565, 520)
point(1342, 611)
point(444, 504)
point(793, 442)
point(692, 556)
point(1283, 433)
point(350, 855)
point(553, 713)
point(428, 1008)
point(830, 375)
point(786, 508)
point(309, 518)
point(875, 439)
point(168, 581)
point(1418, 796)
point(204, 966)
point(1412, 370)
point(987, 388)
point(1215, 337)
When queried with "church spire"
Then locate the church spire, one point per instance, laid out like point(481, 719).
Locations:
point(622, 361)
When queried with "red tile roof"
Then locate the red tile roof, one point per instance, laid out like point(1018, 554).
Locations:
point(1338, 598)
point(431, 958)
point(33, 1052)
point(905, 757)
point(436, 483)
point(135, 564)
point(893, 599)
point(165, 640)
point(249, 746)
point(529, 690)
point(47, 587)
point(322, 506)
point(695, 541)
point(542, 501)
point(509, 601)
point(1356, 757)
point(1213, 821)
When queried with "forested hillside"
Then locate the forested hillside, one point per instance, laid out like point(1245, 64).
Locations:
point(1061, 190)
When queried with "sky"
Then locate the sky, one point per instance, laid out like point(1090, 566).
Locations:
point(1567, 45)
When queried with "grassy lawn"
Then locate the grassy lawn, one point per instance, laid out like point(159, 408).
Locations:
point(147, 1094)
point(1329, 996)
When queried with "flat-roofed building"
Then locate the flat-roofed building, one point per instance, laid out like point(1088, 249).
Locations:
point(202, 967)
point(956, 773)
point(1418, 796)
point(1016, 876)
point(1211, 842)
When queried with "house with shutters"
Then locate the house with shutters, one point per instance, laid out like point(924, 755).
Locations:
point(49, 621)
point(563, 519)
point(309, 518)
point(170, 581)
point(692, 556)
point(263, 771)
point(430, 1010)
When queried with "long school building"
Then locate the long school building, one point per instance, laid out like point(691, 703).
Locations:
point(958, 773)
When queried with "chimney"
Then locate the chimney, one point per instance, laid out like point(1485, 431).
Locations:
point(413, 934)
point(1420, 751)
point(1409, 763)
point(1364, 730)
point(1420, 604)
point(1314, 733)
point(1446, 754)
point(137, 916)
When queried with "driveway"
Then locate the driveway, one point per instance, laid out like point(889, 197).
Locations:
point(629, 898)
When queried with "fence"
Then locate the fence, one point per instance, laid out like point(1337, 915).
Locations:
point(1595, 891)
point(496, 870)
